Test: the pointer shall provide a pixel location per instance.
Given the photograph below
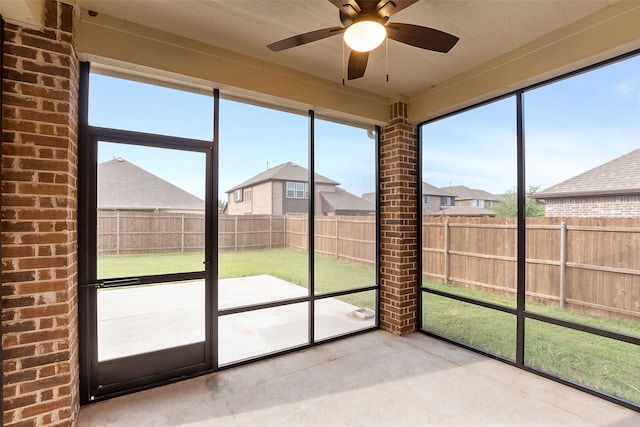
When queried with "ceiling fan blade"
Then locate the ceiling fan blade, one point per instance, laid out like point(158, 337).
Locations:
point(422, 37)
point(357, 64)
point(386, 8)
point(305, 38)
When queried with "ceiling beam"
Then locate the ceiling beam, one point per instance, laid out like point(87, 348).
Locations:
point(112, 41)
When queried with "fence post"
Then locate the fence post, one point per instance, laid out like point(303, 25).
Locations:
point(235, 234)
point(563, 262)
point(337, 236)
point(118, 233)
point(446, 252)
point(270, 229)
point(182, 233)
point(284, 231)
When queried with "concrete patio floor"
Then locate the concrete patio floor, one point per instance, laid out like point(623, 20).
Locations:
point(372, 379)
point(141, 319)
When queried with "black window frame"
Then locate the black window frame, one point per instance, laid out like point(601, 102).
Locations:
point(87, 244)
point(520, 311)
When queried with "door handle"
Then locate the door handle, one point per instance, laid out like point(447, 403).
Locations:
point(135, 281)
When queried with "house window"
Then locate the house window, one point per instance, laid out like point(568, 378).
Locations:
point(447, 201)
point(246, 194)
point(291, 190)
point(297, 190)
point(478, 203)
point(237, 197)
point(427, 200)
point(490, 203)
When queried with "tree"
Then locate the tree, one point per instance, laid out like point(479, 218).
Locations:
point(509, 204)
point(222, 206)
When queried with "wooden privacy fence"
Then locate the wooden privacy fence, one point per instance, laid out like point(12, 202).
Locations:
point(130, 232)
point(588, 263)
point(343, 237)
point(246, 232)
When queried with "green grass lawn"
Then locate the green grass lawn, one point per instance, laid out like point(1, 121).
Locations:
point(331, 275)
point(605, 364)
point(602, 363)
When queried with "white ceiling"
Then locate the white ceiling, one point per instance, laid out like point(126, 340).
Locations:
point(487, 29)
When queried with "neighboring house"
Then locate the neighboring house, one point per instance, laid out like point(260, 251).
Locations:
point(609, 190)
point(123, 186)
point(369, 196)
point(466, 196)
point(341, 202)
point(452, 201)
point(462, 211)
point(284, 189)
point(434, 199)
point(466, 202)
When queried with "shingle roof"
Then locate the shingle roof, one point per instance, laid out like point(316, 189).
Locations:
point(342, 200)
point(465, 193)
point(462, 211)
point(618, 176)
point(123, 185)
point(369, 196)
point(432, 190)
point(284, 172)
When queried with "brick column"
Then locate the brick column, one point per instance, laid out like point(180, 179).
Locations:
point(39, 234)
point(399, 223)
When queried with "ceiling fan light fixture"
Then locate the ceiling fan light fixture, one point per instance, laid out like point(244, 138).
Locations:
point(364, 36)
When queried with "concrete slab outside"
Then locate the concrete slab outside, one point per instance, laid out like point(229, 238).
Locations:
point(139, 319)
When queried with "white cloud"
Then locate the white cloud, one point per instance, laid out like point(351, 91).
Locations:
point(626, 88)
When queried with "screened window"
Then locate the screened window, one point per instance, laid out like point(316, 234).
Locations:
point(266, 299)
point(550, 280)
point(128, 105)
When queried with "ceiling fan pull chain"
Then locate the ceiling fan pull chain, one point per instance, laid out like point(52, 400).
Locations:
point(386, 56)
point(344, 68)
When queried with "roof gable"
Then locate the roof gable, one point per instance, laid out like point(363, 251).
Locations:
point(618, 176)
point(342, 200)
point(465, 193)
point(285, 172)
point(432, 190)
point(123, 185)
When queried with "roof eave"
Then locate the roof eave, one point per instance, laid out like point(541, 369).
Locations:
point(567, 194)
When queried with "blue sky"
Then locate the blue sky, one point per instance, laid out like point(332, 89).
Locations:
point(571, 126)
point(251, 138)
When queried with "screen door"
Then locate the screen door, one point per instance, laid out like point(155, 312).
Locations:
point(151, 297)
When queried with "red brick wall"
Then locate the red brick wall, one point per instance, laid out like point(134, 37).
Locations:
point(624, 206)
point(399, 223)
point(39, 235)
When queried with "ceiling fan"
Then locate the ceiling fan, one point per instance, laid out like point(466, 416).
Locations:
point(365, 26)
